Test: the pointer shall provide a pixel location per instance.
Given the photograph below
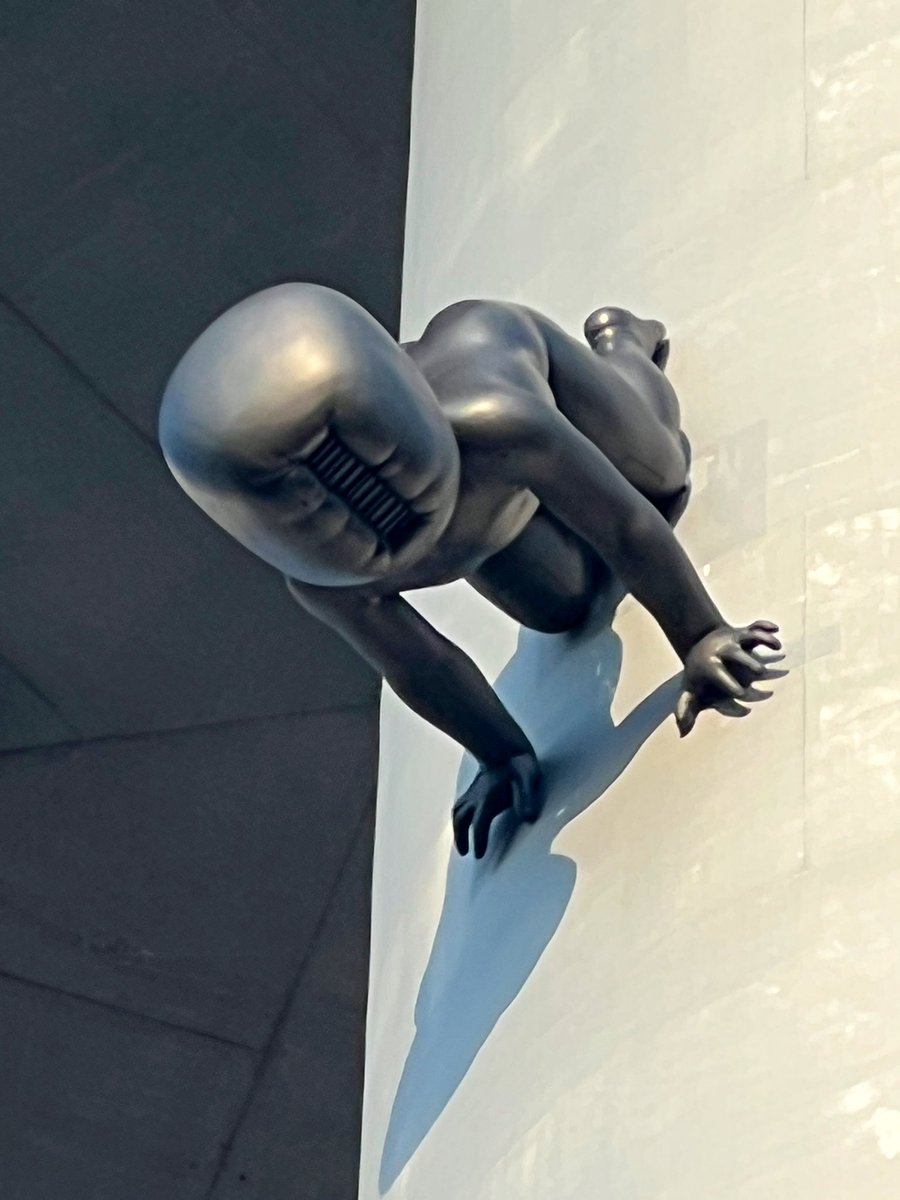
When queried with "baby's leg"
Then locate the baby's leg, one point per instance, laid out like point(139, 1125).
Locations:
point(623, 403)
point(547, 579)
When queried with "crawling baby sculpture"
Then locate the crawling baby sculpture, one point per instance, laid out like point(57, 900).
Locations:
point(497, 449)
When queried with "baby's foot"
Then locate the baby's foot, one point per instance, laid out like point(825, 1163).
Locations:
point(606, 327)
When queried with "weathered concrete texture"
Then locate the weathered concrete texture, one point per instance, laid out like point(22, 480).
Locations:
point(82, 1084)
point(683, 982)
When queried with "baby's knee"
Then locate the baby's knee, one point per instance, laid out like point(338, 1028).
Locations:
point(675, 481)
point(474, 327)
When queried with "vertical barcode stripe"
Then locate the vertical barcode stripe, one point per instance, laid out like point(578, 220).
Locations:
point(365, 494)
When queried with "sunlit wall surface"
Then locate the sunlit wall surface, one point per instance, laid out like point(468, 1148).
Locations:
point(684, 983)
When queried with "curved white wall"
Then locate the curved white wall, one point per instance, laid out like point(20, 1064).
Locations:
point(684, 983)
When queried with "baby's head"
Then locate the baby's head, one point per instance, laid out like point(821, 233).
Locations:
point(297, 423)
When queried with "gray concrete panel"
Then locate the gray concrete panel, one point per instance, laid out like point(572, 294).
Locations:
point(338, 42)
point(122, 603)
point(181, 876)
point(175, 191)
point(160, 161)
point(26, 717)
point(99, 1105)
point(299, 1138)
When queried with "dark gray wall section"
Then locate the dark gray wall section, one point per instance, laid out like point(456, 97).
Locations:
point(187, 762)
point(301, 1119)
point(81, 1082)
point(121, 603)
point(162, 160)
point(168, 874)
point(26, 717)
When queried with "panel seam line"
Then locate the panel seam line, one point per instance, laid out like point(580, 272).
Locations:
point(268, 1051)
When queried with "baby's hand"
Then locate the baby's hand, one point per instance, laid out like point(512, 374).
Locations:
point(515, 784)
point(721, 670)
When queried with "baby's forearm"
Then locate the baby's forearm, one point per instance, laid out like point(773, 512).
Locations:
point(451, 693)
point(579, 484)
point(428, 672)
point(658, 573)
point(647, 557)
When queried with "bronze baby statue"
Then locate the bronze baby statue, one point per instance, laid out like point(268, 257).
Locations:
point(496, 449)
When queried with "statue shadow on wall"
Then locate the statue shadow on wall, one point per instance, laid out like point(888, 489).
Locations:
point(500, 914)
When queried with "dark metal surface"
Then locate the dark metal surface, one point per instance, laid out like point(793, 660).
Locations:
point(538, 467)
point(186, 761)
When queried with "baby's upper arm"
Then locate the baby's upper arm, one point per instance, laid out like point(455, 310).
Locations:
point(386, 630)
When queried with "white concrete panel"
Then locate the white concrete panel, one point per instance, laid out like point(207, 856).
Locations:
point(853, 80)
point(682, 984)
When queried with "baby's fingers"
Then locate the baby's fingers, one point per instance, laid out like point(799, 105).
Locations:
point(719, 675)
point(731, 708)
point(742, 658)
point(760, 633)
point(686, 709)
